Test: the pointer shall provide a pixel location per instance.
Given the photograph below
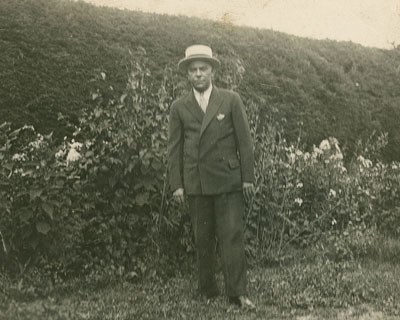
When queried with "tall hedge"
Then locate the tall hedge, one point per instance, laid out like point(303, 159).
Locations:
point(52, 51)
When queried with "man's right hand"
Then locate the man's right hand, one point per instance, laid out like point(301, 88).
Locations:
point(179, 195)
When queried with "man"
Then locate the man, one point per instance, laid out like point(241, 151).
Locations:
point(210, 161)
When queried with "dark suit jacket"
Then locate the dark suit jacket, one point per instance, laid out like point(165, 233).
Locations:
point(209, 153)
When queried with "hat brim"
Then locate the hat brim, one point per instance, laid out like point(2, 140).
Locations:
point(184, 63)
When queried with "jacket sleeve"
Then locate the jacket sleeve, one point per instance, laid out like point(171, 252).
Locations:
point(175, 149)
point(243, 139)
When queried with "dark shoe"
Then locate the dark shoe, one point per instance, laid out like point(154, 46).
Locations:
point(209, 298)
point(212, 295)
point(242, 302)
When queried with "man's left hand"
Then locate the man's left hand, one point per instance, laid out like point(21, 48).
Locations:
point(248, 190)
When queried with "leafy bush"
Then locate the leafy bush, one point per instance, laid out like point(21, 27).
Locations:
point(303, 197)
point(99, 201)
point(40, 200)
point(124, 164)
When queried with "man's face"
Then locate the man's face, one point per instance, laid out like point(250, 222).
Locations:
point(200, 74)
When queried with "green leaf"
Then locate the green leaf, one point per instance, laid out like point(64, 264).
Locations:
point(35, 193)
point(123, 97)
point(112, 181)
point(49, 209)
point(43, 227)
point(25, 214)
point(97, 112)
point(142, 198)
point(59, 183)
point(8, 166)
point(15, 132)
point(89, 154)
point(48, 136)
point(156, 165)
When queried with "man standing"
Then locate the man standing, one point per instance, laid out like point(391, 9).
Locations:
point(210, 162)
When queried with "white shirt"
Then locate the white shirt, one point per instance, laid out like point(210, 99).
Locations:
point(206, 95)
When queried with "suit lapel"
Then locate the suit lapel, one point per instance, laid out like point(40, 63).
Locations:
point(212, 108)
point(192, 105)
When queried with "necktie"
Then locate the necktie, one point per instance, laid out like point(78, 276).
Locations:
point(203, 102)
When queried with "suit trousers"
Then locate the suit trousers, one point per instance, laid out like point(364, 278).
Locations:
point(219, 217)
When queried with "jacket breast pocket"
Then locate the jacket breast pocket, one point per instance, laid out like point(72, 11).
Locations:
point(233, 163)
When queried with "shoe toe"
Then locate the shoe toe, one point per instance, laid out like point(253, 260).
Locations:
point(246, 303)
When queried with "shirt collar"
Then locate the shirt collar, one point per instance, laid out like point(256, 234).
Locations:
point(207, 93)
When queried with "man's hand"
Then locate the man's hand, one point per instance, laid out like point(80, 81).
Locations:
point(248, 190)
point(179, 195)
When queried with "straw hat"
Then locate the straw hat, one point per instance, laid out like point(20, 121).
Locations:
point(198, 52)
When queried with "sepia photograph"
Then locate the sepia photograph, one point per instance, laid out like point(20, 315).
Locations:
point(186, 159)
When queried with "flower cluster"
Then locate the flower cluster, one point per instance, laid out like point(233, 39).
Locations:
point(73, 153)
point(38, 143)
point(69, 152)
point(329, 149)
point(366, 163)
point(19, 157)
point(317, 192)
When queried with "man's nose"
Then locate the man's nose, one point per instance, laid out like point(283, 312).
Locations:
point(198, 72)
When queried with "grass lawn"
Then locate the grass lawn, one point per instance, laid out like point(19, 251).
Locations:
point(299, 290)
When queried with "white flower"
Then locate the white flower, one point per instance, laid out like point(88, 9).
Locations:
point(59, 154)
point(333, 141)
point(76, 132)
point(291, 158)
point(36, 144)
point(73, 155)
point(316, 151)
point(332, 193)
point(299, 201)
point(337, 156)
point(299, 185)
point(324, 145)
point(75, 145)
point(299, 153)
point(220, 116)
point(18, 157)
point(365, 162)
point(26, 127)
